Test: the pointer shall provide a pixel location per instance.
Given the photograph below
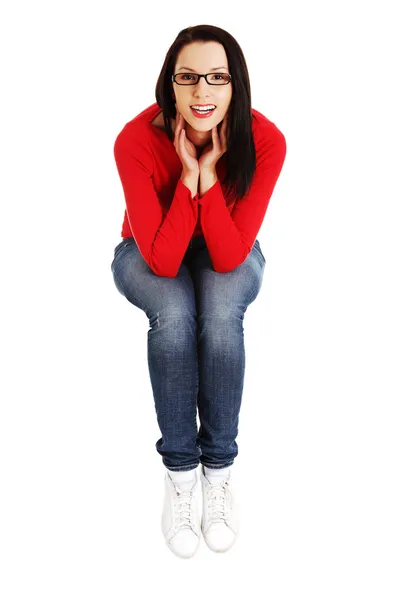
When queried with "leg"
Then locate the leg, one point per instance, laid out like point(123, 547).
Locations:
point(169, 304)
point(222, 299)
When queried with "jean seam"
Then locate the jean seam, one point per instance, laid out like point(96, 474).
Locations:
point(217, 465)
point(185, 468)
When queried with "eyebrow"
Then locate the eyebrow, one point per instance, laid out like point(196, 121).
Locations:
point(215, 69)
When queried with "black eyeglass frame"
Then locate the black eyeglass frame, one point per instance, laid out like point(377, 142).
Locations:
point(201, 75)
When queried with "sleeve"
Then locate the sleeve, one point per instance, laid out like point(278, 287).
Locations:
point(162, 240)
point(230, 237)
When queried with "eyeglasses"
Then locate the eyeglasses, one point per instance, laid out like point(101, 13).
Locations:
point(193, 78)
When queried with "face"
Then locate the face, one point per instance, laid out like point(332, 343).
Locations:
point(202, 57)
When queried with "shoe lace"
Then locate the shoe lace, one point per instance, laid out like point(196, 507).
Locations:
point(219, 501)
point(182, 503)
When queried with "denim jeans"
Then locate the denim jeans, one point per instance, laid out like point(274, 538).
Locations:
point(196, 353)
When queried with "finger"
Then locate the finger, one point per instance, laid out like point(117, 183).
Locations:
point(182, 136)
point(226, 126)
point(225, 123)
point(180, 123)
point(187, 158)
point(215, 136)
point(178, 126)
point(225, 129)
point(181, 143)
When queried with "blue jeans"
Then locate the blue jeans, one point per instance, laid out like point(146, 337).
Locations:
point(196, 352)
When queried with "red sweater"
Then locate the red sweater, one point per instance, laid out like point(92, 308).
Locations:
point(160, 212)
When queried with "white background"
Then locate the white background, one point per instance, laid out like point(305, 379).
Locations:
point(318, 466)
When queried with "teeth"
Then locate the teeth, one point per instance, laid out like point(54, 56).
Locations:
point(203, 108)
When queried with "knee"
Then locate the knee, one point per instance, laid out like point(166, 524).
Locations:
point(179, 327)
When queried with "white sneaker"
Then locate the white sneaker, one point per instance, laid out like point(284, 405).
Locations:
point(220, 518)
point(180, 520)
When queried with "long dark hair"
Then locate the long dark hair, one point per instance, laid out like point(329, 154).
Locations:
point(241, 152)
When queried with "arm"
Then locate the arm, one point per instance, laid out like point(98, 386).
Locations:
point(230, 237)
point(162, 240)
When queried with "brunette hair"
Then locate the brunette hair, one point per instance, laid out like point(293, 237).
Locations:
point(241, 152)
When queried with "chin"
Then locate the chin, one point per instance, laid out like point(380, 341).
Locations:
point(204, 126)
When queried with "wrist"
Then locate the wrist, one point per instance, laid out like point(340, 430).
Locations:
point(208, 178)
point(208, 171)
point(191, 181)
point(190, 175)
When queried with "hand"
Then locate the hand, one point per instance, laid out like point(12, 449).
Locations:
point(216, 148)
point(184, 147)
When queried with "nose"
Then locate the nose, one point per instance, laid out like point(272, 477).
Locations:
point(202, 87)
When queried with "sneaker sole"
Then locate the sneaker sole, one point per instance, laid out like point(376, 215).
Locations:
point(183, 555)
point(219, 549)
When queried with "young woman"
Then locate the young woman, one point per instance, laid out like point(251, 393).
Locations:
point(198, 168)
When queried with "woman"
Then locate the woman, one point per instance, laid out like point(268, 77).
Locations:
point(197, 168)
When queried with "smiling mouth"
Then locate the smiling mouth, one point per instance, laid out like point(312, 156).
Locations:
point(202, 112)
